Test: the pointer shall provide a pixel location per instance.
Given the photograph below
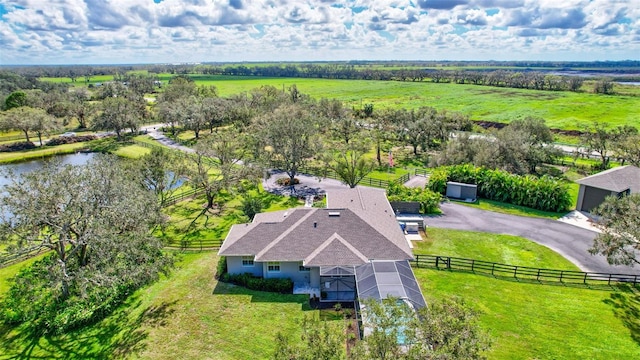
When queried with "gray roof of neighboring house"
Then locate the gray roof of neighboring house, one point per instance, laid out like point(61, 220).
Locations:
point(320, 237)
point(617, 179)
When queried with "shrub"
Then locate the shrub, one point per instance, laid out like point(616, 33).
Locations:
point(221, 269)
point(33, 300)
point(284, 181)
point(428, 199)
point(61, 140)
point(19, 146)
point(251, 205)
point(282, 286)
point(544, 193)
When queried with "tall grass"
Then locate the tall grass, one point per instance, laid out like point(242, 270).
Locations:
point(561, 109)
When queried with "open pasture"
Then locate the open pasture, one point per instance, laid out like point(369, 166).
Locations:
point(561, 109)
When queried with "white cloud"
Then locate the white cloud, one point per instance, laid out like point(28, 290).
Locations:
point(101, 31)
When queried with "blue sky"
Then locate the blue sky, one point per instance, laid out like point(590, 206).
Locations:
point(171, 31)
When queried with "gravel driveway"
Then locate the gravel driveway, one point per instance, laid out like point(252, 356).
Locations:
point(570, 241)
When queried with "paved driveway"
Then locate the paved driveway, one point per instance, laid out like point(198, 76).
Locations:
point(570, 241)
point(309, 185)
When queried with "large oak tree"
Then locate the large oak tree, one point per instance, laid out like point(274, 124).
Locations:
point(289, 136)
point(619, 219)
point(95, 221)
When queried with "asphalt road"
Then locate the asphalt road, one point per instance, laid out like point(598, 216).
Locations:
point(570, 241)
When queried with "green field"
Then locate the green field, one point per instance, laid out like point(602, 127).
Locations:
point(528, 320)
point(186, 316)
point(192, 316)
point(561, 109)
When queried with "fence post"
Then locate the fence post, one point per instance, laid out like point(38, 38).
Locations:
point(493, 266)
point(609, 281)
point(437, 260)
point(538, 276)
point(561, 273)
point(515, 272)
point(448, 263)
point(418, 261)
point(472, 263)
point(584, 281)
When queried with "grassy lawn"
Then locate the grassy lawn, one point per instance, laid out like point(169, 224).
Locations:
point(186, 316)
point(533, 321)
point(496, 206)
point(10, 271)
point(213, 225)
point(132, 151)
point(38, 153)
point(505, 249)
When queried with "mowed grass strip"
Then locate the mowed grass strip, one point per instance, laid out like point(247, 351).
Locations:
point(41, 152)
point(528, 320)
point(505, 249)
point(506, 208)
point(188, 315)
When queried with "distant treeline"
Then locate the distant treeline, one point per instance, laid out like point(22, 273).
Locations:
point(525, 75)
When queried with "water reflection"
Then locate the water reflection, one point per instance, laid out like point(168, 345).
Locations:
point(28, 166)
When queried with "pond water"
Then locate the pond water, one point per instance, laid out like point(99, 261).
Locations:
point(27, 166)
point(69, 159)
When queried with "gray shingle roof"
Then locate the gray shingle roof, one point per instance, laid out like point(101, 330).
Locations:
point(371, 204)
point(617, 179)
point(364, 232)
point(335, 251)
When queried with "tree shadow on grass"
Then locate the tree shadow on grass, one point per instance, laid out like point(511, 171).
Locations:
point(118, 336)
point(222, 288)
point(626, 307)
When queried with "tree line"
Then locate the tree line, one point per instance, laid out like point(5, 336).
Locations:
point(529, 77)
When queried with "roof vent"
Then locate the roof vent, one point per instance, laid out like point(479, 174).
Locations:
point(334, 213)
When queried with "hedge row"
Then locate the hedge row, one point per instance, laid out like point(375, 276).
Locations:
point(70, 139)
point(283, 286)
point(428, 199)
point(19, 146)
point(543, 193)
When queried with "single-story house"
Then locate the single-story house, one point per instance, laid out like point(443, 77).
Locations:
point(617, 181)
point(329, 253)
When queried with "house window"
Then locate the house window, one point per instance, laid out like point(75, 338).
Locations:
point(302, 268)
point(247, 261)
point(273, 266)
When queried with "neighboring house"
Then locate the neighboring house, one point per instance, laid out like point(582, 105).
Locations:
point(618, 181)
point(322, 250)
